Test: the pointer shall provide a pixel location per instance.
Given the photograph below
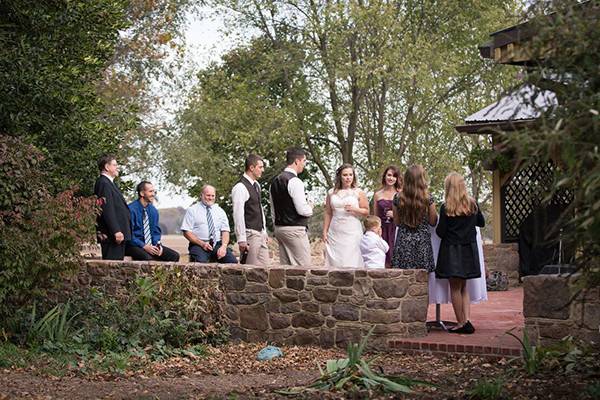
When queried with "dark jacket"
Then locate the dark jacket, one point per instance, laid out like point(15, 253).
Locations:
point(461, 229)
point(136, 210)
point(115, 213)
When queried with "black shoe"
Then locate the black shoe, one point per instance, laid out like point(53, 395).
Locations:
point(469, 328)
point(466, 329)
point(457, 330)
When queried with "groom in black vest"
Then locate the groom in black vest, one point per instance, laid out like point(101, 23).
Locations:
point(248, 214)
point(113, 226)
point(291, 211)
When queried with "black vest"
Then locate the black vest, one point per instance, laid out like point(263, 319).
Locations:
point(283, 205)
point(253, 216)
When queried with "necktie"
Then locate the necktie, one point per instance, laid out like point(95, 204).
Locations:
point(211, 224)
point(147, 235)
point(257, 187)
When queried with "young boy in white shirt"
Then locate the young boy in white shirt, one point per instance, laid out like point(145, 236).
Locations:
point(372, 247)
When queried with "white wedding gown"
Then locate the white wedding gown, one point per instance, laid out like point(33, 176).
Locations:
point(439, 289)
point(345, 232)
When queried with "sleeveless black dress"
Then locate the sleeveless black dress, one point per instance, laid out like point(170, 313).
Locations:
point(458, 256)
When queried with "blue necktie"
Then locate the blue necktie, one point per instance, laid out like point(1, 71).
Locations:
point(147, 235)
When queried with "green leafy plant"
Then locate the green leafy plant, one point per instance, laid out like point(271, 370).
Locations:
point(593, 390)
point(490, 159)
point(532, 354)
point(355, 374)
point(488, 389)
point(565, 47)
point(56, 326)
point(571, 356)
point(12, 356)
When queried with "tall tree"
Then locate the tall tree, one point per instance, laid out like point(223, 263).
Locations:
point(75, 78)
point(145, 74)
point(255, 100)
point(51, 59)
point(393, 78)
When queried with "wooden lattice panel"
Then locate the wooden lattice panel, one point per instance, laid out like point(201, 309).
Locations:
point(523, 193)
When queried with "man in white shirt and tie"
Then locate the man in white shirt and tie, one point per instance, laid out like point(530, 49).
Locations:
point(291, 211)
point(248, 214)
point(206, 227)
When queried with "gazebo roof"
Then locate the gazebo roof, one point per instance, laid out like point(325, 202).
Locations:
point(512, 45)
point(519, 108)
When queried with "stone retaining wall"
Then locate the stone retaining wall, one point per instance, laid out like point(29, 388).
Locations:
point(291, 305)
point(503, 257)
point(554, 308)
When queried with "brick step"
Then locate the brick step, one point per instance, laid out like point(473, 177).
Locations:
point(428, 347)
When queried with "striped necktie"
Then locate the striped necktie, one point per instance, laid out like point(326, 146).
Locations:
point(211, 224)
point(147, 235)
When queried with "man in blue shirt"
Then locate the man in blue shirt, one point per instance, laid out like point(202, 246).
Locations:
point(206, 227)
point(145, 232)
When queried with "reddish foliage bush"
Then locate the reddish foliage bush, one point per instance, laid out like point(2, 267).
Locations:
point(40, 234)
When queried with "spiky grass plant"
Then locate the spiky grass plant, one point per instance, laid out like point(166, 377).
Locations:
point(354, 374)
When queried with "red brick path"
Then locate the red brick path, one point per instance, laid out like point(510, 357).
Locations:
point(492, 318)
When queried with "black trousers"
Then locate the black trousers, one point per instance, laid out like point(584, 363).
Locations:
point(139, 254)
point(111, 250)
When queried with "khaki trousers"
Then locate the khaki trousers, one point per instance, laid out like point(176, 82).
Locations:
point(258, 252)
point(294, 248)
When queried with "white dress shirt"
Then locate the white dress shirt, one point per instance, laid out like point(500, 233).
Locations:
point(109, 177)
point(195, 221)
point(373, 249)
point(295, 189)
point(239, 196)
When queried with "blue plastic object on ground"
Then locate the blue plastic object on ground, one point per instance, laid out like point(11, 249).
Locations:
point(269, 353)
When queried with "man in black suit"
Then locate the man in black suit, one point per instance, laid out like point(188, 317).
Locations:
point(113, 223)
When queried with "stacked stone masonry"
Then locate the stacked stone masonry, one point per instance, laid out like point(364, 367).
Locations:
point(555, 307)
point(292, 305)
point(503, 257)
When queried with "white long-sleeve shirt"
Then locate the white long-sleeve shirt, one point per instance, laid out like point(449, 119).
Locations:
point(239, 196)
point(373, 249)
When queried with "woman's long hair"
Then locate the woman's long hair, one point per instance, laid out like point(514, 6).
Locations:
point(338, 177)
point(396, 172)
point(413, 200)
point(458, 202)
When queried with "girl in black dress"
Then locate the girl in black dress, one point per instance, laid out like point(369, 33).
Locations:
point(458, 259)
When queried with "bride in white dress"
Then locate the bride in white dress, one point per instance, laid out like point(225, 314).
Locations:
point(345, 205)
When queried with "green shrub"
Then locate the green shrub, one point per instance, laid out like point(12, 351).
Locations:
point(160, 313)
point(486, 390)
point(40, 234)
point(566, 49)
point(593, 390)
point(572, 356)
point(157, 316)
point(12, 356)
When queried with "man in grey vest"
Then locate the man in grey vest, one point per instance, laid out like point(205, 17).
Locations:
point(248, 214)
point(291, 211)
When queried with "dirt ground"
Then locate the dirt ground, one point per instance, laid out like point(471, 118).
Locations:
point(232, 372)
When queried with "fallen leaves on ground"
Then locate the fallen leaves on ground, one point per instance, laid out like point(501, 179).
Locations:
point(234, 369)
point(240, 358)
